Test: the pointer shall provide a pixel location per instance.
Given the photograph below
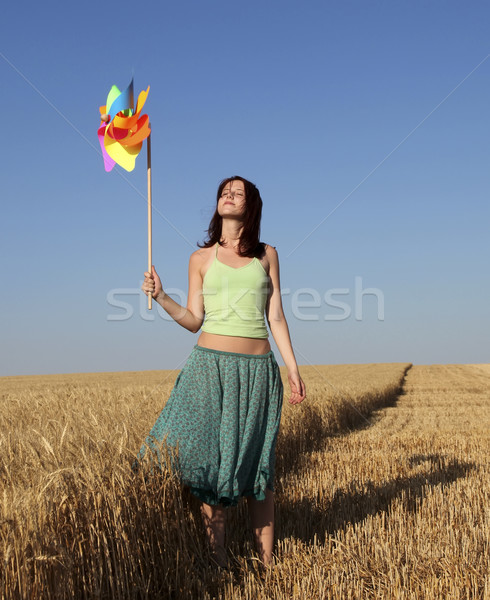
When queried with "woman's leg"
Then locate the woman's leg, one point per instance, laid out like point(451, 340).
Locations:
point(262, 520)
point(214, 518)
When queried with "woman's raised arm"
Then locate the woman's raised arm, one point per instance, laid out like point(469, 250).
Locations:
point(190, 317)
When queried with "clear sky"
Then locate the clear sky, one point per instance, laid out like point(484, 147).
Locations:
point(365, 125)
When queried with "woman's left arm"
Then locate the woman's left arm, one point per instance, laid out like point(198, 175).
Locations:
point(279, 328)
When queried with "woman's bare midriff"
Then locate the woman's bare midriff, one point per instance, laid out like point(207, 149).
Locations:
point(231, 343)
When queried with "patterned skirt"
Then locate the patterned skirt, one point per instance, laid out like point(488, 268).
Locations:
point(220, 424)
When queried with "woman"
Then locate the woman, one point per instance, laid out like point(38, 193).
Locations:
point(223, 413)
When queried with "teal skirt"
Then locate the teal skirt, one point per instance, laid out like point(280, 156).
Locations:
point(220, 425)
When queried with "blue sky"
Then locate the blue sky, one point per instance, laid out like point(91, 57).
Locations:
point(364, 124)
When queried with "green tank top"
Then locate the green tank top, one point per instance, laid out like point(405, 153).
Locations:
point(235, 299)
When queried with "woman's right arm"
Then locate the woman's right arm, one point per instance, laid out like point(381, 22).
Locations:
point(191, 317)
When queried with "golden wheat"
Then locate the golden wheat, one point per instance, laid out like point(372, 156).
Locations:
point(380, 492)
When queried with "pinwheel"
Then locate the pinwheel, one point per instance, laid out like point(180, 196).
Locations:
point(122, 131)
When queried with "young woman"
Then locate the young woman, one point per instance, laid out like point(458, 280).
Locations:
point(223, 413)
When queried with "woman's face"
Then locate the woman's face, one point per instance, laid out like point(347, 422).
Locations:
point(232, 201)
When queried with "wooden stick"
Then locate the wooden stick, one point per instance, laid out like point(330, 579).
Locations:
point(148, 147)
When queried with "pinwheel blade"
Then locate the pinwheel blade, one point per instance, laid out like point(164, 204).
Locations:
point(124, 156)
point(108, 161)
point(124, 101)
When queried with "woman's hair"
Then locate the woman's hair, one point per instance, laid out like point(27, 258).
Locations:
point(250, 244)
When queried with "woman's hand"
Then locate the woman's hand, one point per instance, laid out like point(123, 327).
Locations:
point(152, 283)
point(298, 388)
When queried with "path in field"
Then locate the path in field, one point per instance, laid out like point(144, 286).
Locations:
point(434, 434)
point(403, 505)
point(441, 398)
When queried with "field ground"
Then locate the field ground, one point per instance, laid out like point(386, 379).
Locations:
point(382, 491)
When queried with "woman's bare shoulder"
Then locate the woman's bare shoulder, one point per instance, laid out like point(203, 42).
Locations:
point(269, 250)
point(200, 260)
point(268, 257)
point(201, 254)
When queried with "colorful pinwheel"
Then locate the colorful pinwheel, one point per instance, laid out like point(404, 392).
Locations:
point(123, 129)
point(121, 135)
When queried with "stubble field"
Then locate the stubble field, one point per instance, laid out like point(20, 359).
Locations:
point(382, 491)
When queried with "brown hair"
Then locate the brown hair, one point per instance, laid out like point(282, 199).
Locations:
point(249, 244)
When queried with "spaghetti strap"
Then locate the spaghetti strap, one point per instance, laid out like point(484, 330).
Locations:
point(216, 255)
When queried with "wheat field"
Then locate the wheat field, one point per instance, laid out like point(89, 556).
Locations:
point(382, 491)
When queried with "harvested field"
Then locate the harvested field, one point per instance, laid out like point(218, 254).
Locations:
point(382, 491)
